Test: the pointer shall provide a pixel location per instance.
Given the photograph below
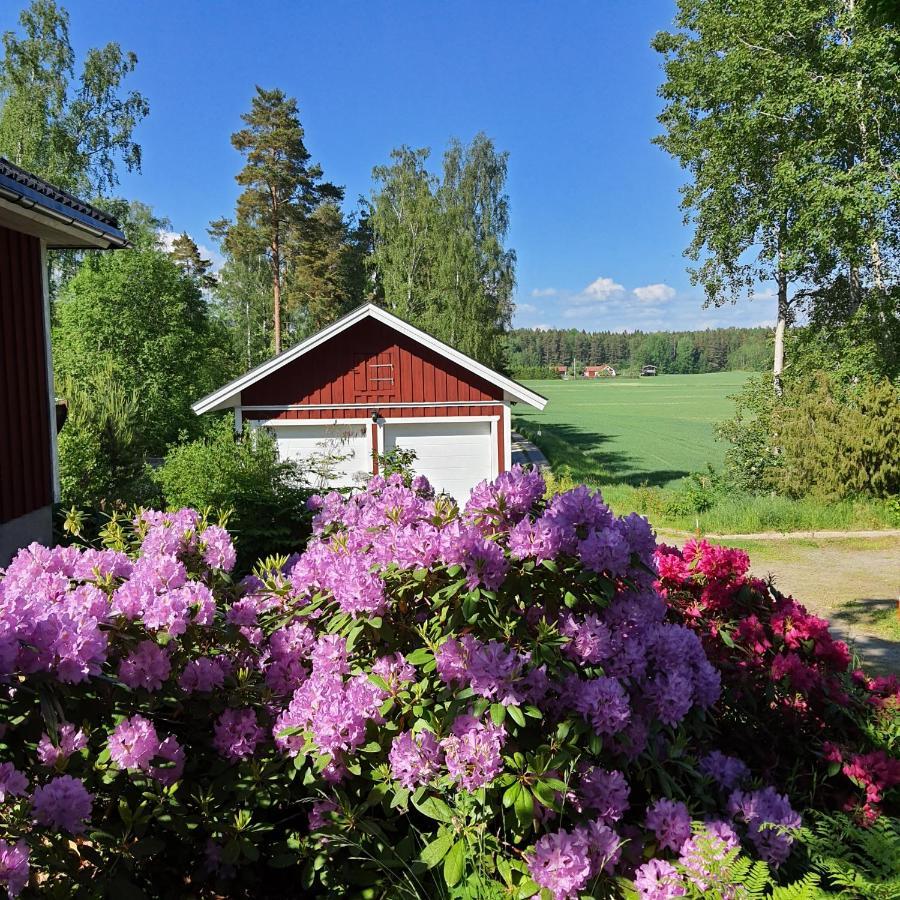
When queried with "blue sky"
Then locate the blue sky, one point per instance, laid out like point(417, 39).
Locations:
point(569, 89)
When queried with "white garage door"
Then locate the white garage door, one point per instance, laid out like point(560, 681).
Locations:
point(453, 456)
point(336, 455)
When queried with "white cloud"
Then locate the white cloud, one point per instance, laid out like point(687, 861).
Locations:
point(526, 308)
point(543, 327)
point(544, 292)
point(602, 289)
point(654, 293)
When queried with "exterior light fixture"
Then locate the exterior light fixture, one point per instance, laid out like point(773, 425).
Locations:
point(375, 415)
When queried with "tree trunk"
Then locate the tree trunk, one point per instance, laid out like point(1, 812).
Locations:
point(276, 295)
point(780, 327)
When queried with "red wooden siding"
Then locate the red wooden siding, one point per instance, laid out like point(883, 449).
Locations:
point(25, 463)
point(371, 364)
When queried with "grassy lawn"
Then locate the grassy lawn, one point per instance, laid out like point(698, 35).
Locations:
point(633, 430)
point(637, 439)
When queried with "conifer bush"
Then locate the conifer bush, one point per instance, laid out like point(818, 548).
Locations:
point(501, 701)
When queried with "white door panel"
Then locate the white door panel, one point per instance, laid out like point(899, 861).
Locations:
point(339, 455)
point(453, 456)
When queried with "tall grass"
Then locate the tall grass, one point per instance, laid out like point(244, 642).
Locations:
point(749, 514)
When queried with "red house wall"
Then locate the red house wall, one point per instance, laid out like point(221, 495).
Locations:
point(335, 374)
point(25, 452)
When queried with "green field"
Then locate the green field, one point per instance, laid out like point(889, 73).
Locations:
point(638, 439)
point(633, 430)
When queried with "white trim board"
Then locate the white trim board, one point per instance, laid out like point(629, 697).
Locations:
point(224, 398)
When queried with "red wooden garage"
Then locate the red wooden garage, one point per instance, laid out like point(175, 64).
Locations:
point(370, 382)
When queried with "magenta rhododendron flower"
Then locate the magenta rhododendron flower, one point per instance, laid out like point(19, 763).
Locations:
point(203, 674)
point(761, 809)
point(561, 864)
point(62, 804)
point(604, 793)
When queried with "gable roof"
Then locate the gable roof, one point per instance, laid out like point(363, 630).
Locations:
point(32, 205)
point(229, 395)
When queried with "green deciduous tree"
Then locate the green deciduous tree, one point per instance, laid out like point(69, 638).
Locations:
point(439, 250)
point(784, 114)
point(138, 311)
point(281, 189)
point(71, 130)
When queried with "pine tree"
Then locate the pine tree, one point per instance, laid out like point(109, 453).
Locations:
point(186, 255)
point(282, 188)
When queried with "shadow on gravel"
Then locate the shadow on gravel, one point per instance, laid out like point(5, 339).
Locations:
point(855, 619)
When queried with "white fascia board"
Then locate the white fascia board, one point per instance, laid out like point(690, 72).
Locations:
point(225, 397)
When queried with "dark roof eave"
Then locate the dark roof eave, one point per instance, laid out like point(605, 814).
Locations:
point(31, 192)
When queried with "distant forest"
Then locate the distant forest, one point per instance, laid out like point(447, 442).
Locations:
point(531, 353)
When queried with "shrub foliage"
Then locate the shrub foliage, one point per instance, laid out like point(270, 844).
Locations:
point(498, 702)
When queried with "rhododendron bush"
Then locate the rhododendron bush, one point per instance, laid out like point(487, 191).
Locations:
point(502, 701)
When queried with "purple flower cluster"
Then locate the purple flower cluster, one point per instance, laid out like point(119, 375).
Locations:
point(491, 669)
point(70, 741)
point(14, 868)
point(237, 733)
point(564, 862)
point(762, 810)
point(329, 709)
point(506, 499)
point(63, 804)
point(12, 782)
point(134, 744)
point(147, 667)
point(604, 793)
point(657, 879)
point(472, 752)
point(415, 758)
point(671, 823)
point(727, 771)
point(57, 605)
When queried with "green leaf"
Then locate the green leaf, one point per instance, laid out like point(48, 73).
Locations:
point(435, 808)
point(419, 657)
point(455, 863)
point(437, 849)
point(516, 715)
point(498, 713)
point(524, 807)
point(511, 794)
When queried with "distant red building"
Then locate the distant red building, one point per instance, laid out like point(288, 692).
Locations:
point(34, 217)
point(372, 382)
point(604, 371)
